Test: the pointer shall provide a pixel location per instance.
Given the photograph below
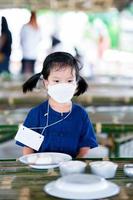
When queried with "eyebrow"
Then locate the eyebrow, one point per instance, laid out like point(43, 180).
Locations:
point(61, 77)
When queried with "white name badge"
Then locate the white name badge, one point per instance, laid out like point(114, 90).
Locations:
point(29, 137)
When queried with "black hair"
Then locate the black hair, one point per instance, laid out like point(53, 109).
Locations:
point(4, 25)
point(58, 59)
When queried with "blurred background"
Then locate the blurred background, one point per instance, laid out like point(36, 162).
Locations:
point(97, 32)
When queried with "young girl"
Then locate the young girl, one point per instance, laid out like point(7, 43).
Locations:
point(65, 125)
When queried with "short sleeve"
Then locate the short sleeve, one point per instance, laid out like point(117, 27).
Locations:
point(31, 120)
point(88, 136)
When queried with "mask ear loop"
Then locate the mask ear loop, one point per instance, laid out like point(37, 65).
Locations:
point(48, 125)
point(41, 77)
point(47, 122)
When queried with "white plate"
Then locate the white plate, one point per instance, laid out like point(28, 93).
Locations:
point(52, 159)
point(71, 192)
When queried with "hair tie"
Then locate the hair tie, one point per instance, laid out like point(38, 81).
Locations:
point(41, 76)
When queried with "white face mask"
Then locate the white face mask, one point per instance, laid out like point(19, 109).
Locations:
point(62, 92)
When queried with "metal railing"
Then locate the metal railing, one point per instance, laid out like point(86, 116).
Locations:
point(119, 137)
point(7, 132)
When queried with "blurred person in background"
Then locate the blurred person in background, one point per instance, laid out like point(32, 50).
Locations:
point(5, 46)
point(103, 44)
point(30, 37)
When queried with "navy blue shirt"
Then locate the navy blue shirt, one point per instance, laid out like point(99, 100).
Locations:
point(66, 136)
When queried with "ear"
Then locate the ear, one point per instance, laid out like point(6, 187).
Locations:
point(45, 82)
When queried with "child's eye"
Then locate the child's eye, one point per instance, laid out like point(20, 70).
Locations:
point(70, 81)
point(56, 81)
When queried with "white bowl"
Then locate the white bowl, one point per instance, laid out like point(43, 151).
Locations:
point(81, 187)
point(128, 170)
point(106, 169)
point(72, 167)
point(98, 152)
point(81, 183)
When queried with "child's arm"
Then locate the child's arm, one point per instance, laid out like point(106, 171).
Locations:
point(27, 150)
point(83, 152)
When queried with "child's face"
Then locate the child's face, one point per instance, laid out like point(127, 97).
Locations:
point(63, 75)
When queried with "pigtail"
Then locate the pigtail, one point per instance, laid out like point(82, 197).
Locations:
point(31, 83)
point(82, 86)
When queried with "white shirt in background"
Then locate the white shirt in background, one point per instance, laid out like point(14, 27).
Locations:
point(30, 38)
